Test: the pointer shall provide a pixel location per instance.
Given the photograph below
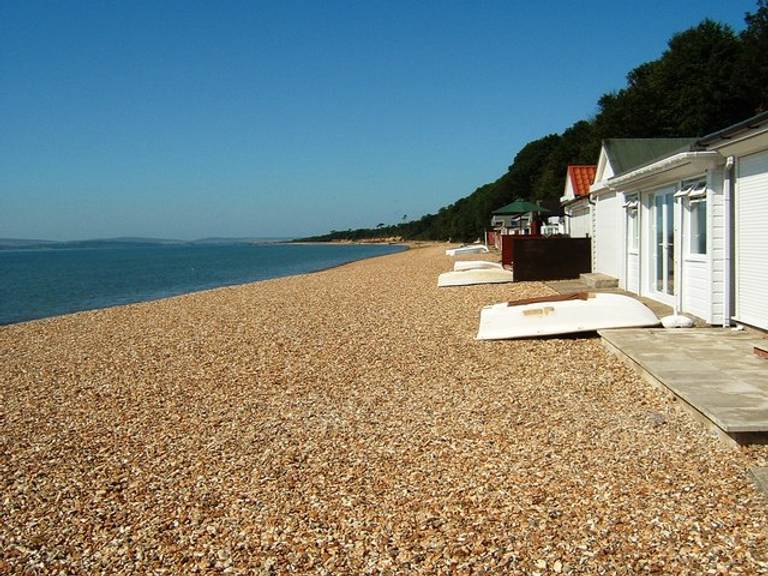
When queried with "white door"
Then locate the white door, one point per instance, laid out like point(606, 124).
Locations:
point(632, 246)
point(607, 239)
point(752, 240)
point(662, 276)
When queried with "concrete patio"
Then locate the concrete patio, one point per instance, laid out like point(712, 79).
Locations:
point(713, 370)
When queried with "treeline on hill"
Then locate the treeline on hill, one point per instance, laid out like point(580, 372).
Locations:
point(708, 78)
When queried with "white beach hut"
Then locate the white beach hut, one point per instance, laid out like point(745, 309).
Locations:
point(575, 200)
point(669, 212)
point(743, 239)
point(690, 227)
point(619, 156)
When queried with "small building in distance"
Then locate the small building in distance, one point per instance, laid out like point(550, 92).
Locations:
point(505, 221)
point(518, 217)
point(575, 200)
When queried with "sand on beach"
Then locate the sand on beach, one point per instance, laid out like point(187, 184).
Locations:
point(347, 422)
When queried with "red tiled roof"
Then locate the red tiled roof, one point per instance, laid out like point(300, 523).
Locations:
point(582, 177)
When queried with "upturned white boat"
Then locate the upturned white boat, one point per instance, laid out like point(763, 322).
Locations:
point(470, 249)
point(476, 276)
point(581, 312)
point(475, 265)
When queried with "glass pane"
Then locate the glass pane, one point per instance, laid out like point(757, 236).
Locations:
point(636, 230)
point(699, 227)
point(670, 232)
point(659, 210)
point(632, 222)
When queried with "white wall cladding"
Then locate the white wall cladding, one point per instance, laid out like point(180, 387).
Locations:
point(633, 273)
point(752, 240)
point(580, 223)
point(696, 288)
point(608, 241)
point(716, 246)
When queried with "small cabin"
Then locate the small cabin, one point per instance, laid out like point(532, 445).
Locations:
point(575, 200)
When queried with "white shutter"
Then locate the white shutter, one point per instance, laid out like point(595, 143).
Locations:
point(752, 240)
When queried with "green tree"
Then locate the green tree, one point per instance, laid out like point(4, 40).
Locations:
point(752, 70)
point(689, 91)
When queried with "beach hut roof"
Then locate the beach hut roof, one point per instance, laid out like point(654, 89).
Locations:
point(629, 153)
point(519, 207)
point(581, 177)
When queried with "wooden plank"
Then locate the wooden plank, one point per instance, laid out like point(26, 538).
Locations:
point(553, 298)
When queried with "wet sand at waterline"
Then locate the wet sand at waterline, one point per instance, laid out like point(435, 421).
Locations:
point(348, 422)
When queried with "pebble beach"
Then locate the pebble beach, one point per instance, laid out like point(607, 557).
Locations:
point(347, 422)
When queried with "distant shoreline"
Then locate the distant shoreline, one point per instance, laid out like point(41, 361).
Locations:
point(128, 242)
point(19, 244)
point(364, 241)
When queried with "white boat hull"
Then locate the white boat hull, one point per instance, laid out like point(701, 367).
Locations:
point(462, 265)
point(557, 316)
point(478, 276)
point(472, 249)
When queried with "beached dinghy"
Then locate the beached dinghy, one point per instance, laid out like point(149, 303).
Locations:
point(475, 276)
point(471, 249)
point(475, 265)
point(567, 314)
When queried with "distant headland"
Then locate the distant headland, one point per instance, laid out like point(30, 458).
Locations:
point(126, 242)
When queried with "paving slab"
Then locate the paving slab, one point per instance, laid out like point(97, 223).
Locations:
point(597, 280)
point(714, 370)
point(760, 478)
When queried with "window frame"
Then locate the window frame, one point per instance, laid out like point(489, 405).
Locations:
point(695, 195)
point(632, 238)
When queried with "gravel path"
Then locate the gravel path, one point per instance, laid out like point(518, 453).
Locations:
point(347, 422)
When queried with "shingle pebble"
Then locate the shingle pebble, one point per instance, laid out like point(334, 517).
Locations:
point(347, 422)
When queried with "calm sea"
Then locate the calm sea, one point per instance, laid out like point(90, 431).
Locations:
point(41, 283)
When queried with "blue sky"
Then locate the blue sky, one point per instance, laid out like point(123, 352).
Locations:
point(193, 119)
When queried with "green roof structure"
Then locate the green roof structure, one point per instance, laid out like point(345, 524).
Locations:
point(519, 207)
point(627, 154)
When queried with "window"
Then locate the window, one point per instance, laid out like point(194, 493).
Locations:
point(633, 224)
point(694, 192)
point(634, 230)
point(697, 228)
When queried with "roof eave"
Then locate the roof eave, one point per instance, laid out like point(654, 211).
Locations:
point(698, 160)
point(568, 201)
point(598, 187)
point(745, 126)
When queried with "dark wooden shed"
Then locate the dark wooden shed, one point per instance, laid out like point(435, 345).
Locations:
point(542, 258)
